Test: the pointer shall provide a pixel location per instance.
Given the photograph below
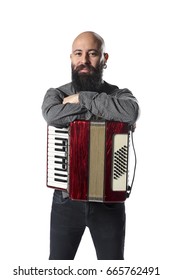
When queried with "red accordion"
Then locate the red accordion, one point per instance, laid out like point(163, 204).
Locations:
point(89, 160)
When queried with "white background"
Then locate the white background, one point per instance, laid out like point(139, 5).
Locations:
point(35, 46)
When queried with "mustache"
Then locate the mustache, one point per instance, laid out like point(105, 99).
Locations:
point(84, 66)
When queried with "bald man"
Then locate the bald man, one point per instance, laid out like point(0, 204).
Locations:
point(87, 97)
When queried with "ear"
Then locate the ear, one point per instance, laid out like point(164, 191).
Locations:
point(106, 56)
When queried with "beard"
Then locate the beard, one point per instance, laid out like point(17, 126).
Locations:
point(87, 81)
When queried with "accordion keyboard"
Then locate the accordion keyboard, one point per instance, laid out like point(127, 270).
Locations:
point(57, 157)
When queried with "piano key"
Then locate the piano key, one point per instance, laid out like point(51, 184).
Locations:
point(58, 146)
point(61, 142)
point(56, 184)
point(54, 173)
point(60, 149)
point(57, 154)
point(57, 166)
point(58, 179)
point(55, 129)
point(57, 150)
point(60, 134)
point(56, 137)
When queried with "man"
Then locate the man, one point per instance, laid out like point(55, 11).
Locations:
point(87, 97)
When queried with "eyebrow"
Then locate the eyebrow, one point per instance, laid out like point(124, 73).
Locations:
point(79, 50)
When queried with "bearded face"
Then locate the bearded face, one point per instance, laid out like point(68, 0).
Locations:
point(86, 77)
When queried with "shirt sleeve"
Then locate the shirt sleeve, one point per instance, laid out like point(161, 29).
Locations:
point(120, 105)
point(57, 114)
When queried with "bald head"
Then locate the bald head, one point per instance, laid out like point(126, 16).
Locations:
point(90, 36)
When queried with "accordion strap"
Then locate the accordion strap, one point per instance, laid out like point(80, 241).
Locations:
point(129, 188)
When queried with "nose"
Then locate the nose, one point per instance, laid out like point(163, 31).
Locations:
point(85, 58)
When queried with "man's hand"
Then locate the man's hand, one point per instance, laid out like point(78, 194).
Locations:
point(74, 98)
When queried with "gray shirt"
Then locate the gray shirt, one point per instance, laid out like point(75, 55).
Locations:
point(108, 103)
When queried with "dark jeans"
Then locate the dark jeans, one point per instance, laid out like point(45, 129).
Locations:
point(106, 222)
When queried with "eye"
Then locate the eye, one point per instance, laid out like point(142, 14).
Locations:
point(78, 53)
point(93, 53)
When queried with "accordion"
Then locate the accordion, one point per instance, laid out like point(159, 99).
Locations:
point(89, 160)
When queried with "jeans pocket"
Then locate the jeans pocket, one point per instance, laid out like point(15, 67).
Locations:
point(59, 199)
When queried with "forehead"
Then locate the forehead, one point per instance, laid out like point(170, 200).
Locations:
point(86, 42)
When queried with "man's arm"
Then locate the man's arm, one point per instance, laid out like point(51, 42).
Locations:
point(120, 105)
point(59, 111)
